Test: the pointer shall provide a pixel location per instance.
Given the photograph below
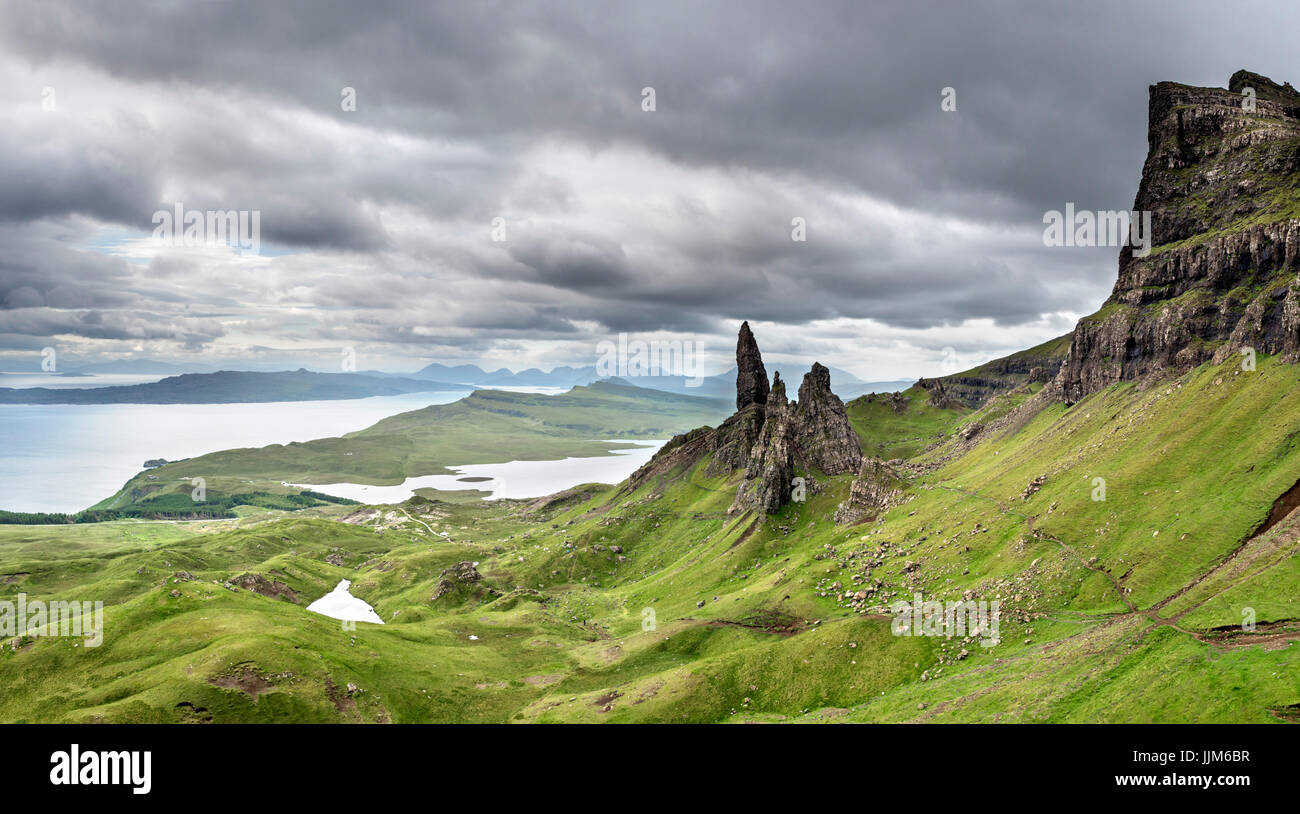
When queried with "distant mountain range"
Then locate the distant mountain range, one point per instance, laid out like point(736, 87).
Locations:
point(186, 384)
point(722, 385)
point(228, 387)
point(563, 376)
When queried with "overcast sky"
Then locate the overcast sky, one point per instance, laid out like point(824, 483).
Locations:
point(924, 226)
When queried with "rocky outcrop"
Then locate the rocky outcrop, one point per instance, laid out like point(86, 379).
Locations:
point(938, 394)
point(259, 584)
point(876, 488)
point(1221, 183)
point(751, 377)
point(768, 437)
point(461, 577)
point(975, 387)
point(811, 434)
point(732, 441)
point(825, 439)
point(734, 438)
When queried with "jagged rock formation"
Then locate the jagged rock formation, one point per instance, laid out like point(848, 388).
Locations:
point(769, 474)
point(826, 441)
point(813, 433)
point(938, 394)
point(731, 442)
point(734, 439)
point(1223, 185)
point(876, 488)
point(751, 377)
point(768, 436)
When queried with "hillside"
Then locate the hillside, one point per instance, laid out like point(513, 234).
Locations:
point(973, 388)
point(653, 601)
point(488, 426)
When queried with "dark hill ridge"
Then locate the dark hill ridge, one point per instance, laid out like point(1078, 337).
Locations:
point(1223, 186)
point(973, 388)
point(230, 387)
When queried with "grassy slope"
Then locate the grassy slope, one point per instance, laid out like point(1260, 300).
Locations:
point(889, 433)
point(1199, 459)
point(489, 426)
point(1052, 349)
point(999, 376)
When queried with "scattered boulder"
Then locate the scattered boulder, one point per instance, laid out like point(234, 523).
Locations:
point(259, 584)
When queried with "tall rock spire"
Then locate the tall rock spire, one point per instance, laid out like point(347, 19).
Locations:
point(767, 485)
point(751, 377)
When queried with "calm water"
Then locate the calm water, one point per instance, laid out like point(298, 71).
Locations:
point(65, 457)
point(519, 479)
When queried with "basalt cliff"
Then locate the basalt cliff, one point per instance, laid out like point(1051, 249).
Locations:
point(1222, 184)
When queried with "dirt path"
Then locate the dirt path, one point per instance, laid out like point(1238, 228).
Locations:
point(421, 522)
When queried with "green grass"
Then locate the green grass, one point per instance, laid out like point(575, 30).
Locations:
point(561, 616)
point(900, 428)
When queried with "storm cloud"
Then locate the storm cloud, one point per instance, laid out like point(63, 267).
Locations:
point(501, 195)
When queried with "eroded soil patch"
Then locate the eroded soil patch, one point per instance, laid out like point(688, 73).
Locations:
point(245, 678)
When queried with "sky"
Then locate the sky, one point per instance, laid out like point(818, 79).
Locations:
point(500, 194)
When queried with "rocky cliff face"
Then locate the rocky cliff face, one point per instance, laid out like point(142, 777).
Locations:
point(1222, 182)
point(768, 437)
point(876, 488)
point(973, 388)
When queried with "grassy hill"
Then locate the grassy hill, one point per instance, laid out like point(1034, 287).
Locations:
point(651, 603)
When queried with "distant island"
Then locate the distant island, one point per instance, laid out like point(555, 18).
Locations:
point(230, 387)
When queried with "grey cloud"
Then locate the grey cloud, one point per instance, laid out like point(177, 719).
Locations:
point(765, 110)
